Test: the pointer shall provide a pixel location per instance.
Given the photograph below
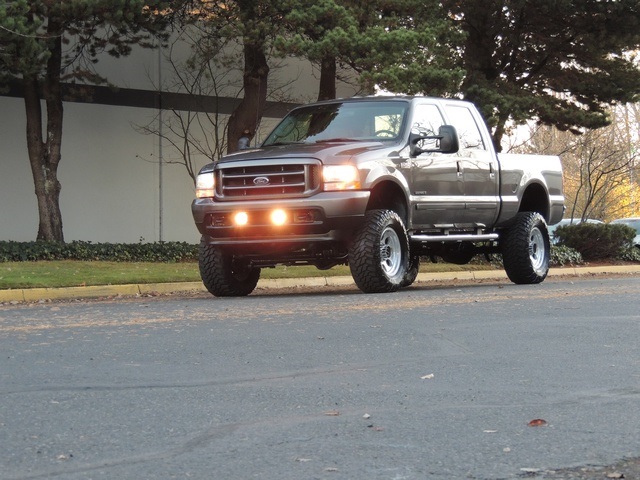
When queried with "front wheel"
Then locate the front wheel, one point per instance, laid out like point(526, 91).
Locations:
point(379, 253)
point(223, 275)
point(526, 249)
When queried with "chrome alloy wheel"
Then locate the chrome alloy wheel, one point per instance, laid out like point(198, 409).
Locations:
point(390, 252)
point(537, 252)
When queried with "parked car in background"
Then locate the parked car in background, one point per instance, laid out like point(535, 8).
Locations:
point(633, 223)
point(568, 221)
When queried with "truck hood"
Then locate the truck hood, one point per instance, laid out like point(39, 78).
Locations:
point(326, 152)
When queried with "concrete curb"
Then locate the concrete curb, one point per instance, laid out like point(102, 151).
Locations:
point(40, 294)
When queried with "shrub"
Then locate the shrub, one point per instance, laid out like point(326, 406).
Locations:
point(630, 254)
point(113, 252)
point(562, 255)
point(559, 257)
point(596, 241)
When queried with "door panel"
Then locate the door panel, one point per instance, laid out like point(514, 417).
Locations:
point(438, 186)
point(479, 166)
point(436, 180)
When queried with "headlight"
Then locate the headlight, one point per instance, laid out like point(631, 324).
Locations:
point(205, 185)
point(340, 177)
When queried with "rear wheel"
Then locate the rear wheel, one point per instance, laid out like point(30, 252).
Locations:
point(223, 275)
point(526, 249)
point(379, 253)
point(412, 270)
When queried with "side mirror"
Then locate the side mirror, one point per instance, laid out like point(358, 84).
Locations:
point(445, 142)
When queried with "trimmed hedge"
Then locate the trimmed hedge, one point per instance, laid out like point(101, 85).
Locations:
point(87, 251)
point(596, 241)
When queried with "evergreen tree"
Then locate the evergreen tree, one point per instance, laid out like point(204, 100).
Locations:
point(42, 44)
point(405, 46)
point(320, 31)
point(561, 62)
point(251, 24)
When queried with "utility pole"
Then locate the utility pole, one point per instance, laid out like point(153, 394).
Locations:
point(632, 140)
point(160, 153)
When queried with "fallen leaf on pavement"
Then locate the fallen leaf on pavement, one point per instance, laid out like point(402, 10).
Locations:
point(538, 422)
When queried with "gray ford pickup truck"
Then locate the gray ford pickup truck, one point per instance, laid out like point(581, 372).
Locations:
point(376, 183)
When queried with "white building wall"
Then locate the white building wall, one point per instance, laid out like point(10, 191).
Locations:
point(109, 172)
point(110, 193)
point(18, 207)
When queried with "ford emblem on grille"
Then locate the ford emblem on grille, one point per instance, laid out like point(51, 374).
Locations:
point(261, 181)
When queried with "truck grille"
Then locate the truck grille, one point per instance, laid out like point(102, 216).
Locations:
point(267, 179)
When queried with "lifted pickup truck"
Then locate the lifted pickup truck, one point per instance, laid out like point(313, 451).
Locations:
point(375, 183)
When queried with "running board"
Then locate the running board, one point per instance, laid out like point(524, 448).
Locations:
point(455, 238)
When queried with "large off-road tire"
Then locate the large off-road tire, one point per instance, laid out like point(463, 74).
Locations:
point(412, 270)
point(379, 253)
point(526, 249)
point(224, 276)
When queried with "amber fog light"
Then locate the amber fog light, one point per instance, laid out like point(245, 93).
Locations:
point(278, 217)
point(241, 219)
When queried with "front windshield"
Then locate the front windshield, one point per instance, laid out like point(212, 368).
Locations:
point(348, 121)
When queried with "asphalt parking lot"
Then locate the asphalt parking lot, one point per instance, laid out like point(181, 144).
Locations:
point(461, 379)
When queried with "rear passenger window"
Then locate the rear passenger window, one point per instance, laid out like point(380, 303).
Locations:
point(466, 126)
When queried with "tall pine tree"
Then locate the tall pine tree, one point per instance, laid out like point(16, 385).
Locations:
point(45, 42)
point(406, 46)
point(561, 62)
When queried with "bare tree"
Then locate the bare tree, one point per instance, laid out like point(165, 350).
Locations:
point(212, 78)
point(195, 133)
point(598, 165)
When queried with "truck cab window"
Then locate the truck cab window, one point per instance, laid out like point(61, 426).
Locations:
point(426, 120)
point(468, 132)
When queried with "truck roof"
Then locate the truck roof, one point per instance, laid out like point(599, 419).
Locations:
point(384, 98)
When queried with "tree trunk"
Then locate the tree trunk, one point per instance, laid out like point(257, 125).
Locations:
point(44, 155)
point(249, 112)
point(499, 131)
point(328, 71)
point(479, 85)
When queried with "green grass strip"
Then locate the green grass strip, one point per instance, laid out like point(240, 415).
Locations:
point(73, 273)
